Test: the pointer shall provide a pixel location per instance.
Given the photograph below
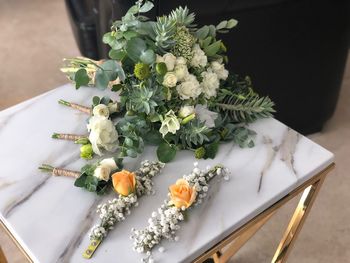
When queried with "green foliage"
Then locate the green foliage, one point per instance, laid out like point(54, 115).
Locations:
point(108, 71)
point(91, 183)
point(166, 152)
point(194, 133)
point(246, 108)
point(137, 50)
point(184, 42)
point(164, 30)
point(81, 78)
point(182, 17)
point(199, 153)
point(141, 100)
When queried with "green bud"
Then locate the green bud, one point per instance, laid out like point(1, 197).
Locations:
point(130, 113)
point(199, 152)
point(82, 141)
point(188, 118)
point(141, 71)
point(86, 151)
point(161, 68)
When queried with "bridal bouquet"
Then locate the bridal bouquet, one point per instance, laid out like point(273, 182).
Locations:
point(172, 88)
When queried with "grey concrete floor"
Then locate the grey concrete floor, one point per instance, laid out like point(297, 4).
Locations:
point(34, 37)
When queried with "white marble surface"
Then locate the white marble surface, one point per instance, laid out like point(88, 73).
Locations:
point(50, 217)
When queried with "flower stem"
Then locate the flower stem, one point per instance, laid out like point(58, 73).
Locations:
point(76, 106)
point(66, 136)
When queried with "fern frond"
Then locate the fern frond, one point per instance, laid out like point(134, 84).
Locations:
point(182, 17)
point(246, 108)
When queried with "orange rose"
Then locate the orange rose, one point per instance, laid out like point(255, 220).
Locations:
point(124, 182)
point(182, 194)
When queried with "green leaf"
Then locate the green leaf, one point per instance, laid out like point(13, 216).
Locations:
point(211, 150)
point(131, 153)
point(221, 25)
point(146, 7)
point(80, 181)
point(231, 23)
point(148, 56)
point(96, 100)
point(101, 79)
point(133, 10)
point(153, 138)
point(105, 100)
point(166, 152)
point(117, 87)
point(117, 54)
point(212, 49)
point(81, 78)
point(129, 34)
point(202, 33)
point(128, 142)
point(107, 38)
point(135, 47)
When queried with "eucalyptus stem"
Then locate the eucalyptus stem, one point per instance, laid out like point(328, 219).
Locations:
point(76, 106)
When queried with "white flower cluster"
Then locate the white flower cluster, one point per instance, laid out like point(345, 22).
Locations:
point(164, 222)
point(117, 209)
point(103, 134)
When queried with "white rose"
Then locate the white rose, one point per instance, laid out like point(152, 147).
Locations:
point(169, 60)
point(199, 59)
point(102, 173)
point(113, 107)
point(159, 59)
point(186, 111)
point(181, 61)
point(210, 84)
point(170, 80)
point(103, 134)
point(219, 70)
point(181, 72)
point(109, 162)
point(169, 124)
point(205, 115)
point(100, 110)
point(189, 88)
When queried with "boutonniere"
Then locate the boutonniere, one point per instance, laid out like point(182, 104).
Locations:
point(130, 186)
point(183, 195)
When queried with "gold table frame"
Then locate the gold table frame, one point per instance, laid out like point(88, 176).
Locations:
point(233, 242)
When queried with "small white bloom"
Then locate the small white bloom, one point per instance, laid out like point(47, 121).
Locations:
point(100, 110)
point(102, 173)
point(109, 162)
point(180, 61)
point(186, 111)
point(170, 80)
point(181, 72)
point(219, 70)
point(169, 60)
point(169, 124)
point(113, 107)
point(205, 115)
point(103, 134)
point(190, 88)
point(199, 59)
point(210, 84)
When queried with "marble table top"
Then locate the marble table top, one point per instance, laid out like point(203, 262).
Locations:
point(51, 218)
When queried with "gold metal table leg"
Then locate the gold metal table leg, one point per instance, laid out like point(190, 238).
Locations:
point(238, 238)
point(296, 223)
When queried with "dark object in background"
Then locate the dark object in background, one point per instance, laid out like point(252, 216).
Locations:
point(294, 50)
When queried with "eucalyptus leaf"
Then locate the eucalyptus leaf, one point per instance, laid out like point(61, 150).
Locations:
point(166, 152)
point(96, 100)
point(146, 7)
point(117, 54)
point(221, 25)
point(81, 78)
point(101, 79)
point(212, 49)
point(202, 33)
point(135, 47)
point(148, 56)
point(231, 23)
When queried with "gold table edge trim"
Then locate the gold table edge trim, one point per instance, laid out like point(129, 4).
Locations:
point(231, 236)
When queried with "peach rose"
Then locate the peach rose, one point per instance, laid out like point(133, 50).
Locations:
point(182, 194)
point(124, 182)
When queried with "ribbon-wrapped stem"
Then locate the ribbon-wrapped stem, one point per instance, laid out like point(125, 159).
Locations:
point(56, 171)
point(68, 136)
point(76, 106)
